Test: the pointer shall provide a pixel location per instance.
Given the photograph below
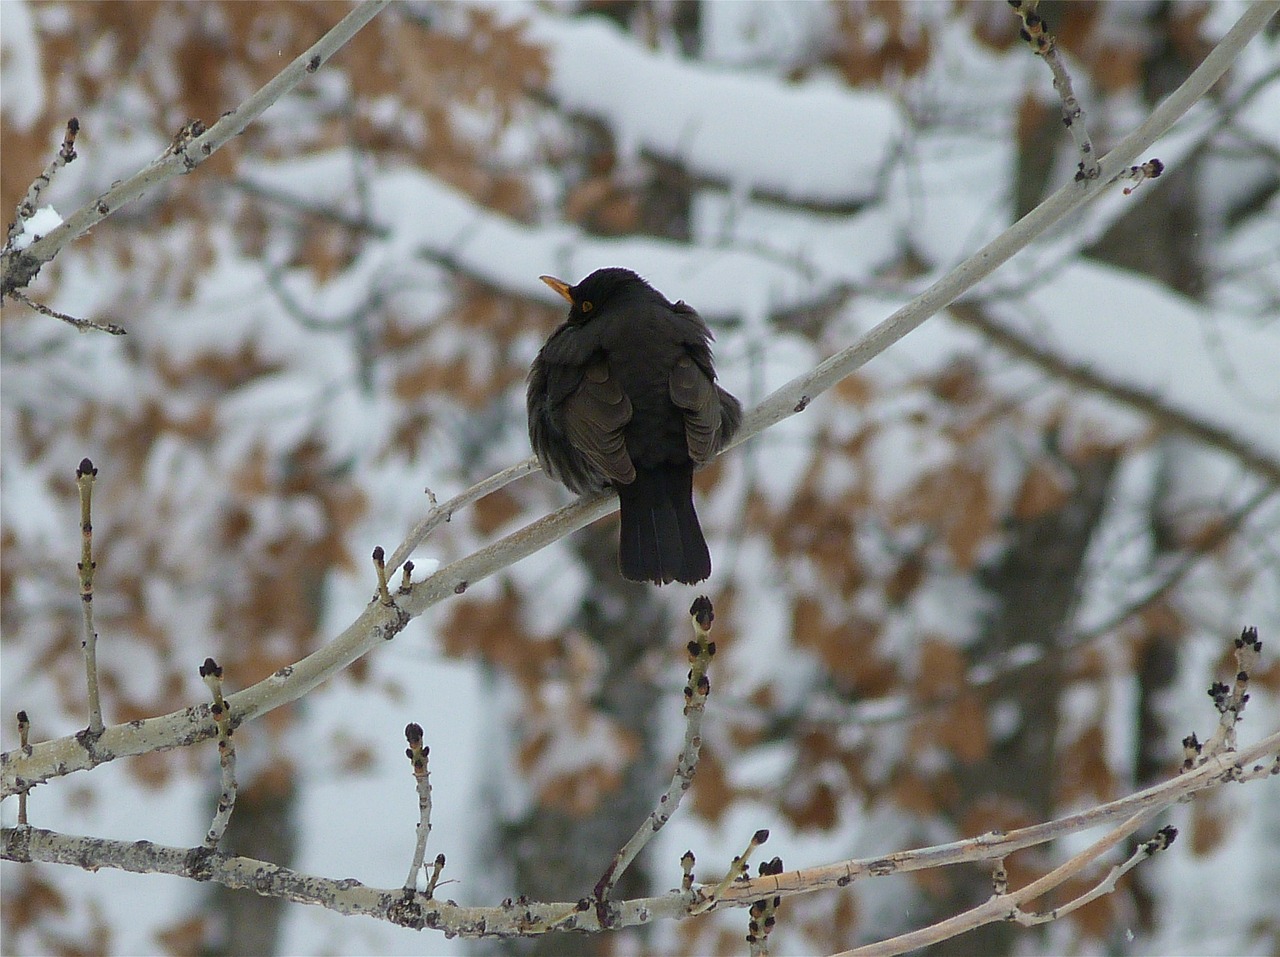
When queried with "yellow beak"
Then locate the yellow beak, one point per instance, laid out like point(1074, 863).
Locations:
point(559, 285)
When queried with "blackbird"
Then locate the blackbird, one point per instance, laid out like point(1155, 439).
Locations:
point(624, 394)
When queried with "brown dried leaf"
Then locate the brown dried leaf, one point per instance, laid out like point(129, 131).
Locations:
point(1084, 775)
point(1045, 488)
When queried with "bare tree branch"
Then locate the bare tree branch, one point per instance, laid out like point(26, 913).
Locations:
point(396, 905)
point(19, 267)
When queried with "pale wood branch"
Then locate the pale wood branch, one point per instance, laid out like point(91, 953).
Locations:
point(401, 906)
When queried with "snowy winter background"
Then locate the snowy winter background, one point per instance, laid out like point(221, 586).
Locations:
point(818, 208)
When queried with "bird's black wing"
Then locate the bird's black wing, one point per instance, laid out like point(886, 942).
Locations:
point(576, 415)
point(695, 394)
point(595, 415)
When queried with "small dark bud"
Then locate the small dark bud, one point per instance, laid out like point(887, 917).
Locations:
point(693, 649)
point(459, 588)
point(711, 649)
point(86, 468)
point(103, 209)
point(73, 125)
point(1157, 168)
point(408, 567)
point(439, 860)
point(844, 881)
point(23, 719)
point(413, 732)
point(313, 64)
point(702, 611)
point(1022, 32)
point(584, 904)
point(378, 554)
point(802, 404)
point(210, 668)
point(760, 836)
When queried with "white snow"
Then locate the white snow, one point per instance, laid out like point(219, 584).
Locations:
point(21, 70)
point(813, 141)
point(39, 224)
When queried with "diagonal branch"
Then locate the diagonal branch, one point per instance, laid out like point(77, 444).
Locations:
point(1178, 420)
point(19, 268)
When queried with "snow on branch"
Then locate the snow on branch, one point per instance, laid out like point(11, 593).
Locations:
point(1163, 409)
point(811, 143)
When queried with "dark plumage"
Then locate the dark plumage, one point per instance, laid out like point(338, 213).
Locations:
point(624, 395)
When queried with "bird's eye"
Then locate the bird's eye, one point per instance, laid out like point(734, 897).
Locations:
point(587, 305)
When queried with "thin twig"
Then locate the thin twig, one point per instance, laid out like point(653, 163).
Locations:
point(380, 569)
point(211, 672)
point(1035, 32)
point(1264, 756)
point(996, 909)
point(417, 753)
point(737, 873)
point(24, 728)
point(1161, 841)
point(84, 325)
point(763, 913)
point(440, 514)
point(1230, 702)
point(1230, 699)
point(701, 650)
point(31, 201)
point(85, 475)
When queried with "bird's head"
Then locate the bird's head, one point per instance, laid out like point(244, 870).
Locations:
point(600, 288)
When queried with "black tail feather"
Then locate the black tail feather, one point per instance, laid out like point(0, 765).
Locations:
point(661, 540)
